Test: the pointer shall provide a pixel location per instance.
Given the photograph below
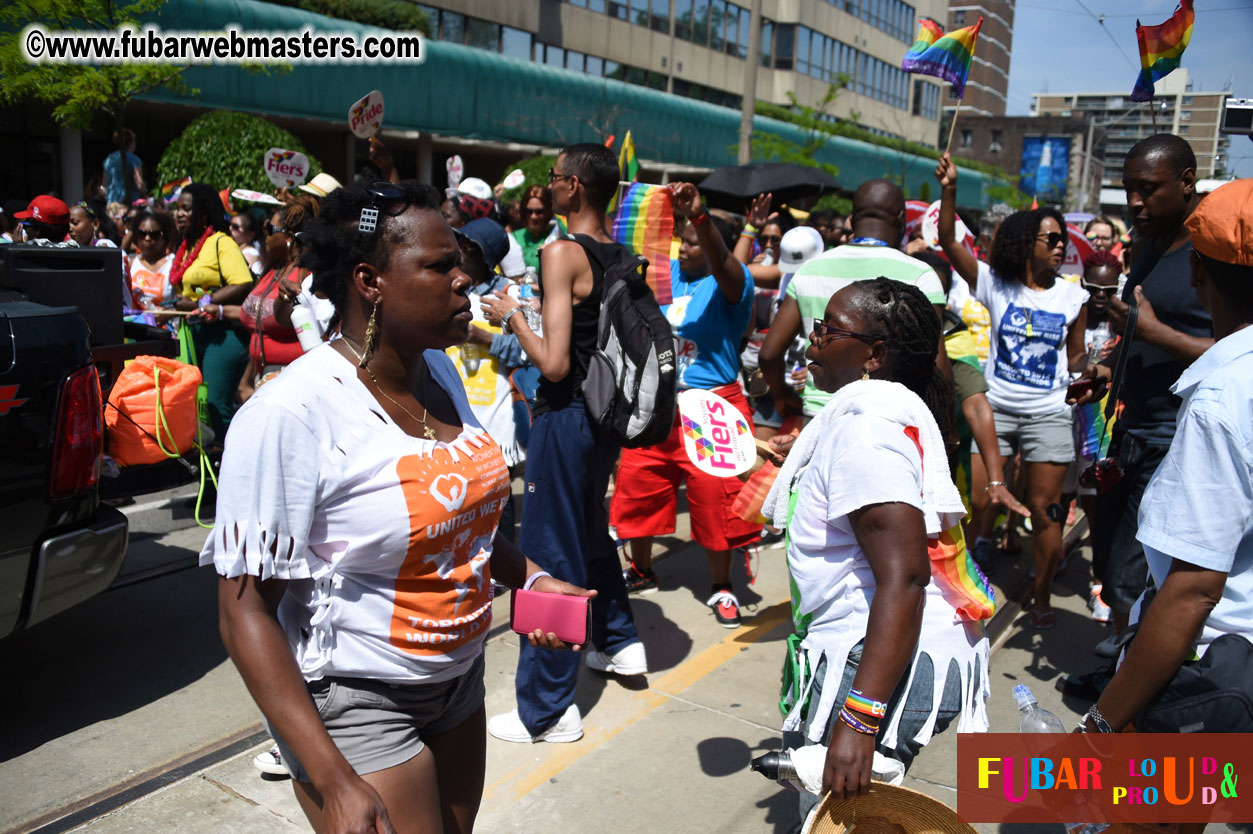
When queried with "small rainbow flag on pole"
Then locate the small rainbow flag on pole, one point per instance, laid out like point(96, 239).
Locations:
point(645, 224)
point(172, 189)
point(628, 168)
point(1160, 49)
point(943, 56)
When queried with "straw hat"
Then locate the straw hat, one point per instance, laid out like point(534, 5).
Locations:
point(886, 810)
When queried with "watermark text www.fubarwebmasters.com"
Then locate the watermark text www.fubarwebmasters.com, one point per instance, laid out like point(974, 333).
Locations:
point(231, 45)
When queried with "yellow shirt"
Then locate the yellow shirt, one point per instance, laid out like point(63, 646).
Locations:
point(219, 263)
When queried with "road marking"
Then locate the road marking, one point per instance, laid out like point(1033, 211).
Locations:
point(522, 780)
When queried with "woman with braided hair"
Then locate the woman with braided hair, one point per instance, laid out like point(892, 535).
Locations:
point(883, 656)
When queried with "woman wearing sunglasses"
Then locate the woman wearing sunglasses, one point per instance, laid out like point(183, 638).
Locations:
point(356, 536)
point(150, 268)
point(1038, 324)
point(245, 231)
point(539, 227)
point(266, 312)
point(886, 654)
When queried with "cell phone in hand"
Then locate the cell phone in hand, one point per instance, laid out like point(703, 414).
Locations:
point(1080, 387)
point(570, 618)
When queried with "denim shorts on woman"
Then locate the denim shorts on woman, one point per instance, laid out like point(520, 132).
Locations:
point(380, 725)
point(1044, 438)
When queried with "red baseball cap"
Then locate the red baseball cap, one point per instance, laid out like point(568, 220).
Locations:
point(46, 209)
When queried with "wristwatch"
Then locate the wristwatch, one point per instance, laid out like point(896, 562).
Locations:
point(504, 320)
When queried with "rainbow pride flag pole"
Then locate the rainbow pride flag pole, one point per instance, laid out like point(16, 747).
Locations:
point(1161, 47)
point(645, 224)
point(947, 56)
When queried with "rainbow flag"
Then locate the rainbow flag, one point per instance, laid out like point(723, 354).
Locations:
point(172, 189)
point(959, 579)
point(1160, 49)
point(645, 224)
point(628, 168)
point(944, 56)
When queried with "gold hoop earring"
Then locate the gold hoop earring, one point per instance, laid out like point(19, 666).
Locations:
point(371, 335)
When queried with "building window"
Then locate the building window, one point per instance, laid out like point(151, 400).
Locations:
point(683, 19)
point(767, 42)
point(784, 46)
point(700, 22)
point(612, 69)
point(968, 138)
point(659, 21)
point(995, 145)
point(619, 10)
point(959, 19)
point(483, 34)
point(452, 27)
point(803, 37)
point(574, 61)
point(515, 43)
point(595, 66)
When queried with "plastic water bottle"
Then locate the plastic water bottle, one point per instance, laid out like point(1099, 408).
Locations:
point(1100, 337)
point(801, 768)
point(1035, 719)
point(527, 292)
point(306, 326)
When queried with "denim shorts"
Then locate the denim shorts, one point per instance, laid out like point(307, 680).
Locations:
point(380, 725)
point(1044, 438)
point(915, 708)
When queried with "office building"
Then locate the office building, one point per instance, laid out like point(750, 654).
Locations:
point(1176, 108)
point(698, 49)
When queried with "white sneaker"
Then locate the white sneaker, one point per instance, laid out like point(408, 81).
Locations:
point(1100, 611)
point(509, 727)
point(270, 762)
point(629, 660)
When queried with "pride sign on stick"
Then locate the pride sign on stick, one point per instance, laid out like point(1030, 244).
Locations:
point(716, 436)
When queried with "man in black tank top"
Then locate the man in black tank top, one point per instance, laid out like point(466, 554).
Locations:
point(565, 526)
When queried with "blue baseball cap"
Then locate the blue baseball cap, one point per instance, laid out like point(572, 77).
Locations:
point(490, 237)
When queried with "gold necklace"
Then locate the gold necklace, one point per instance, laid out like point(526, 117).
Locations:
point(427, 431)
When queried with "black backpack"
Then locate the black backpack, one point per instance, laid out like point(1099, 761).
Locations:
point(631, 388)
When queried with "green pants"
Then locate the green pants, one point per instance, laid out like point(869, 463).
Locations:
point(223, 354)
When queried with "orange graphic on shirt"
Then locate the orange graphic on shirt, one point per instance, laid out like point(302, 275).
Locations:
point(443, 589)
point(148, 285)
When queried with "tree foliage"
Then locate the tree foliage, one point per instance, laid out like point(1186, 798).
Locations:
point(224, 149)
point(77, 92)
point(772, 147)
point(536, 170)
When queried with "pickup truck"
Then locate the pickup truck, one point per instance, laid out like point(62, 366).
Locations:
point(59, 545)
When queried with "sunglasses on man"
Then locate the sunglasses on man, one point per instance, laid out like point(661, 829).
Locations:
point(1052, 239)
point(1100, 289)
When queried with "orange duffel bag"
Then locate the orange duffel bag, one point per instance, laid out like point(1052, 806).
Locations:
point(151, 413)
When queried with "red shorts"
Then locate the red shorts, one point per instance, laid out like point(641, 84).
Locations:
point(645, 499)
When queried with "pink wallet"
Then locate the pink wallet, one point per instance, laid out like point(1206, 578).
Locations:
point(570, 618)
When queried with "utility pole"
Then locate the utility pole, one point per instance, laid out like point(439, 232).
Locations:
point(750, 84)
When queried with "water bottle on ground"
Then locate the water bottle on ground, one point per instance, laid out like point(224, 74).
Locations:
point(1036, 719)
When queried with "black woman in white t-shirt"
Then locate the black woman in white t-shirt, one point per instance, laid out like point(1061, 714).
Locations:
point(1037, 343)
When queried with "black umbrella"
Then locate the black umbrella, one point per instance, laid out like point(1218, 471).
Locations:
point(733, 186)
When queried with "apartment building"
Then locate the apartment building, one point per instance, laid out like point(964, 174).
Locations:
point(1176, 108)
point(987, 88)
point(699, 49)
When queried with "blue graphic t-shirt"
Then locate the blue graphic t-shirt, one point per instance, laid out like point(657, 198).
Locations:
point(707, 327)
point(1027, 368)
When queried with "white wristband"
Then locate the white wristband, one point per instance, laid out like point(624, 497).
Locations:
point(530, 580)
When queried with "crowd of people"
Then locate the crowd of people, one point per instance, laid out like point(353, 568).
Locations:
point(913, 395)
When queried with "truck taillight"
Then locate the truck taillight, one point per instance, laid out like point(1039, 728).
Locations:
point(78, 448)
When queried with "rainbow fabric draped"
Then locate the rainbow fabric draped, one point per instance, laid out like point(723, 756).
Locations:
point(958, 577)
point(1161, 47)
point(645, 224)
point(945, 56)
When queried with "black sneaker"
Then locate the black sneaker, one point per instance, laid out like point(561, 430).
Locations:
point(640, 583)
point(726, 608)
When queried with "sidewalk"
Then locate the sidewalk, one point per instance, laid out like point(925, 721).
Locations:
point(668, 751)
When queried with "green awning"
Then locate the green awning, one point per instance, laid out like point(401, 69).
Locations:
point(477, 94)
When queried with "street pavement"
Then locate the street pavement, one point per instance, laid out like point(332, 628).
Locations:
point(166, 742)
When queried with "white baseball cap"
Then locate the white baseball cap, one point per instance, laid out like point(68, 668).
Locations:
point(798, 246)
point(320, 185)
point(475, 187)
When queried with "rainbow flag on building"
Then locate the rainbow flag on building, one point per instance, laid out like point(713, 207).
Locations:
point(645, 224)
point(1161, 47)
point(945, 56)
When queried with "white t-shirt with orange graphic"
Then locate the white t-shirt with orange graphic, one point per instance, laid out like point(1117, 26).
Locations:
point(384, 538)
point(150, 283)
